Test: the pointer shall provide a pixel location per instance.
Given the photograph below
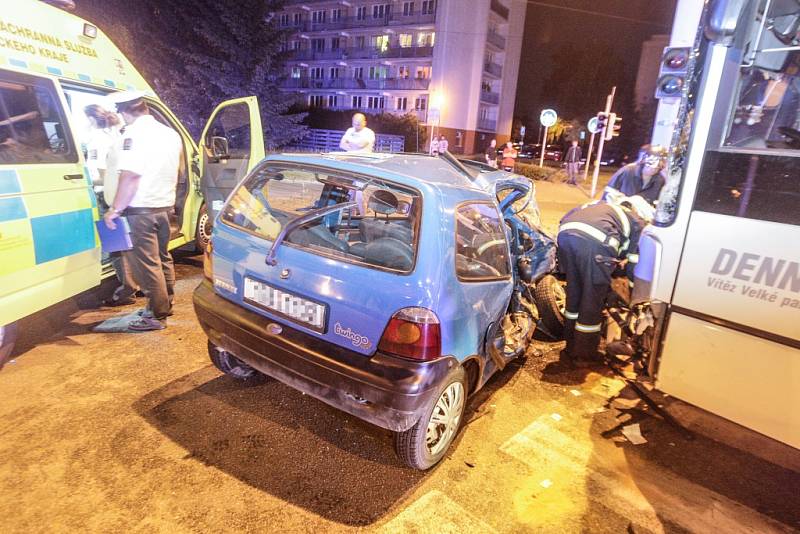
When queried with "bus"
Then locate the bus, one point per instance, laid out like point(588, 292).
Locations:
point(719, 268)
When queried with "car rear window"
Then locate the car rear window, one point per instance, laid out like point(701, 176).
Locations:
point(380, 230)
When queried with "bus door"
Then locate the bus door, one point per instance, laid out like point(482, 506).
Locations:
point(732, 344)
point(48, 248)
point(232, 144)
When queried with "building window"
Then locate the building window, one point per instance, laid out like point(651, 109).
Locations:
point(402, 103)
point(318, 45)
point(380, 42)
point(335, 43)
point(358, 73)
point(317, 73)
point(381, 11)
point(298, 19)
point(378, 73)
point(403, 72)
point(336, 15)
point(284, 20)
point(426, 38)
point(406, 40)
point(295, 72)
point(294, 45)
point(361, 13)
point(333, 101)
point(356, 102)
point(421, 103)
point(423, 72)
point(318, 17)
point(408, 9)
point(483, 113)
point(360, 41)
point(428, 7)
point(375, 102)
point(316, 101)
point(334, 73)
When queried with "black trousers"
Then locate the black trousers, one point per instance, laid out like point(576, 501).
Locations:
point(151, 261)
point(588, 283)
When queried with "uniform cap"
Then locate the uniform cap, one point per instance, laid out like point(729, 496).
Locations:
point(125, 97)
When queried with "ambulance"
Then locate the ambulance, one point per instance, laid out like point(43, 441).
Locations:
point(52, 65)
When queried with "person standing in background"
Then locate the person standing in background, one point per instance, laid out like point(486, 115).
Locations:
point(573, 161)
point(491, 154)
point(509, 157)
point(434, 146)
point(443, 144)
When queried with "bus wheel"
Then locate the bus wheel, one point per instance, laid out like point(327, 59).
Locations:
point(204, 226)
point(551, 302)
point(8, 336)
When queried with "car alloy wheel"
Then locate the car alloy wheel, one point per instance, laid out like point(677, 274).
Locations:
point(445, 418)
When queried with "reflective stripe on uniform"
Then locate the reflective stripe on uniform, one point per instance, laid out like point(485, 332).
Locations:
point(588, 328)
point(571, 315)
point(633, 258)
point(593, 232)
point(626, 225)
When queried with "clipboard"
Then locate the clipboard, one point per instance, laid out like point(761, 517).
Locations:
point(114, 240)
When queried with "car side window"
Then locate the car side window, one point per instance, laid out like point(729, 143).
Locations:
point(232, 123)
point(32, 125)
point(481, 244)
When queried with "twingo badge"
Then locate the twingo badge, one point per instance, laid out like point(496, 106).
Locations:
point(355, 338)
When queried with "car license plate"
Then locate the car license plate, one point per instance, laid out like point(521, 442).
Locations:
point(285, 304)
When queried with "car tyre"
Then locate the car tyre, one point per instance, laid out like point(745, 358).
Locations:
point(234, 367)
point(551, 303)
point(423, 445)
point(202, 234)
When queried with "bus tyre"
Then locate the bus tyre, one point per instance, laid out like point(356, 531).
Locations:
point(423, 445)
point(8, 336)
point(234, 367)
point(202, 233)
point(551, 301)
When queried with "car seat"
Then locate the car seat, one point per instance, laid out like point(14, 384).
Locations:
point(384, 203)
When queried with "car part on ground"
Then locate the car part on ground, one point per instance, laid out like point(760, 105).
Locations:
point(551, 302)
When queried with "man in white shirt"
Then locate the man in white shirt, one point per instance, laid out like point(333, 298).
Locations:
point(443, 144)
point(148, 164)
point(359, 138)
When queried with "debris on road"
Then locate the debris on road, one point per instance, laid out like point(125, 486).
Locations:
point(634, 434)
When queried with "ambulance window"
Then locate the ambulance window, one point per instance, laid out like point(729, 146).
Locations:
point(32, 126)
point(233, 124)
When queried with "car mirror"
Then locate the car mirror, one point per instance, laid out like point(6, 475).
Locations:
point(219, 147)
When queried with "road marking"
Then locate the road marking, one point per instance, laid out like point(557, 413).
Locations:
point(435, 512)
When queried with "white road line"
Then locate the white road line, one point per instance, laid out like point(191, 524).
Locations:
point(435, 513)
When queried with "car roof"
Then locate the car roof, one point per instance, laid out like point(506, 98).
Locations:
point(405, 168)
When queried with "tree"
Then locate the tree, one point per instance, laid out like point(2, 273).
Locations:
point(199, 56)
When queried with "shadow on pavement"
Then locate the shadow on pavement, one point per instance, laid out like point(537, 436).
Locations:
point(284, 443)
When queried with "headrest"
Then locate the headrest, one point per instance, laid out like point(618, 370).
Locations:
point(383, 202)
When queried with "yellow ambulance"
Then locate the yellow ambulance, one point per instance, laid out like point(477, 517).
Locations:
point(52, 65)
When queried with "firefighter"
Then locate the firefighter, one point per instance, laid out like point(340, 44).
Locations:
point(593, 241)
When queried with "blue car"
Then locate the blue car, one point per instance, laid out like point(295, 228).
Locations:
point(390, 286)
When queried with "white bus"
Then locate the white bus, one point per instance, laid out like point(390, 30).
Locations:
point(720, 266)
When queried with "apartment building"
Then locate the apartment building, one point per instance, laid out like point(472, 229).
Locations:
point(452, 63)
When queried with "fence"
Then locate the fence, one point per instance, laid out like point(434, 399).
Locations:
point(328, 141)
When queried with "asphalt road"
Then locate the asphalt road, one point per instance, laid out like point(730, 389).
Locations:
point(139, 433)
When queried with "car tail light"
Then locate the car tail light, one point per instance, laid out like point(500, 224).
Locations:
point(413, 333)
point(208, 269)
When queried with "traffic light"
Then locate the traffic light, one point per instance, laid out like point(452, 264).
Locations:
point(602, 121)
point(673, 71)
point(613, 127)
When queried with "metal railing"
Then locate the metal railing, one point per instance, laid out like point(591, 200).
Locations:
point(487, 124)
point(328, 141)
point(343, 23)
point(355, 83)
point(490, 98)
point(496, 39)
point(306, 54)
point(493, 68)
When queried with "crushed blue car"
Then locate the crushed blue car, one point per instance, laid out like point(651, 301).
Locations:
point(390, 286)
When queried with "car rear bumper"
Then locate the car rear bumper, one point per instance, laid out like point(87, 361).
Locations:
point(385, 390)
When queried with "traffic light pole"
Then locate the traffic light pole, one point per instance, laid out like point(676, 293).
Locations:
point(588, 157)
point(609, 103)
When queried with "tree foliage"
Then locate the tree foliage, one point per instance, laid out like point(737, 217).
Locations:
point(197, 55)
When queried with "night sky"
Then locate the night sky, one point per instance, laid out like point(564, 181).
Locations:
point(570, 59)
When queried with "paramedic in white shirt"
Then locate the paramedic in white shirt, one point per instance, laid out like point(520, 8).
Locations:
point(149, 163)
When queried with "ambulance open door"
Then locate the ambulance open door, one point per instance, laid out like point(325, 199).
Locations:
point(231, 145)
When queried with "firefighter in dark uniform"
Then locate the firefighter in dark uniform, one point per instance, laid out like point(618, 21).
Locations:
point(643, 178)
point(593, 240)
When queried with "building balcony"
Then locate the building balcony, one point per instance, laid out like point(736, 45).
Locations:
point(490, 98)
point(496, 39)
point(386, 84)
point(346, 23)
point(499, 8)
point(489, 125)
point(306, 54)
point(493, 68)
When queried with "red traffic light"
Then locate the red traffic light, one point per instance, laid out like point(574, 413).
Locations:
point(676, 58)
